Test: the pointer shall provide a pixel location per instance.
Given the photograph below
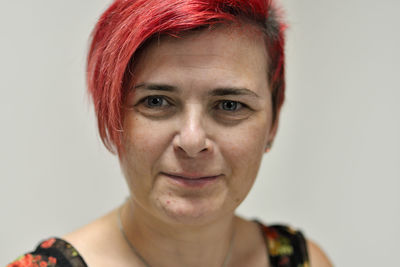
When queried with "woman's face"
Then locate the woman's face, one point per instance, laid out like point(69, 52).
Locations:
point(197, 123)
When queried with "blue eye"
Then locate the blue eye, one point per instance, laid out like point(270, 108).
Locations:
point(229, 105)
point(155, 101)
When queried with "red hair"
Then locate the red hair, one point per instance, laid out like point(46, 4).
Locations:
point(128, 25)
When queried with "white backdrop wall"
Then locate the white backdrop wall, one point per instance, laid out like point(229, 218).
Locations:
point(334, 169)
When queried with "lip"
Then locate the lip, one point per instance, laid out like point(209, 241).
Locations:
point(192, 180)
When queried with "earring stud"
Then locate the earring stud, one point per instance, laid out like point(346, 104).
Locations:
point(268, 147)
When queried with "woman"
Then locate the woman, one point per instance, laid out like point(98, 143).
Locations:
point(187, 93)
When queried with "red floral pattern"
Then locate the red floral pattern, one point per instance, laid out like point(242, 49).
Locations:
point(286, 248)
point(52, 260)
point(48, 243)
point(53, 246)
point(29, 260)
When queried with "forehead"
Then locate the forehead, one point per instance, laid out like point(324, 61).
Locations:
point(231, 50)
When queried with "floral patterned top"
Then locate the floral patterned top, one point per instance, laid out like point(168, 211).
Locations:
point(286, 248)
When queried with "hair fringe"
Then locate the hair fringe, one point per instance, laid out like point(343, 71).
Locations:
point(127, 26)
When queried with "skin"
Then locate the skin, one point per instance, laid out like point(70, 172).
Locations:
point(189, 132)
point(192, 131)
point(192, 150)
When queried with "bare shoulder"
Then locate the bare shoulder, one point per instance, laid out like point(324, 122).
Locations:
point(88, 235)
point(93, 247)
point(317, 257)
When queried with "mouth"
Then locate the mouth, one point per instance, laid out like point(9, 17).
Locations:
point(192, 180)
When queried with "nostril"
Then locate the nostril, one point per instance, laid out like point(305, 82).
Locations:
point(191, 137)
point(189, 148)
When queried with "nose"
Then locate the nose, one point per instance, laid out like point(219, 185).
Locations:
point(191, 138)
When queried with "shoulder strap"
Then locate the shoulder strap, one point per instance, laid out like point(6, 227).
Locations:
point(286, 246)
point(64, 252)
point(53, 252)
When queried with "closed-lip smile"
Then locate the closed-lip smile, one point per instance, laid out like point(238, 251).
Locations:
point(191, 179)
point(188, 176)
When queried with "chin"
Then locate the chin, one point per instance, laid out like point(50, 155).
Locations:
point(191, 211)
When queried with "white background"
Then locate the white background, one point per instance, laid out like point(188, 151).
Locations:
point(334, 169)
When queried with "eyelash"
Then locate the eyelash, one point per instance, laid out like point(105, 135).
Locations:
point(147, 99)
point(237, 105)
point(219, 104)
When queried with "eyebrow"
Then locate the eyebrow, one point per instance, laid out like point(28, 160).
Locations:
point(232, 91)
point(222, 91)
point(156, 87)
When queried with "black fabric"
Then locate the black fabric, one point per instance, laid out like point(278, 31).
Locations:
point(285, 248)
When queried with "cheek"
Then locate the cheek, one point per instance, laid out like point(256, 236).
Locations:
point(242, 150)
point(143, 139)
point(246, 143)
point(143, 146)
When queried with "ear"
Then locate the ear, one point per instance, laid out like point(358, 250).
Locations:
point(272, 134)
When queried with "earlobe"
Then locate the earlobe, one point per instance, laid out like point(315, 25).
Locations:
point(268, 147)
point(272, 134)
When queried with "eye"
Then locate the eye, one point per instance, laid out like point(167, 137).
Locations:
point(155, 101)
point(229, 105)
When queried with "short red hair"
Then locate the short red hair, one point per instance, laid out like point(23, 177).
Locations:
point(127, 25)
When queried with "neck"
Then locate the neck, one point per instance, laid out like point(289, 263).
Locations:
point(164, 244)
